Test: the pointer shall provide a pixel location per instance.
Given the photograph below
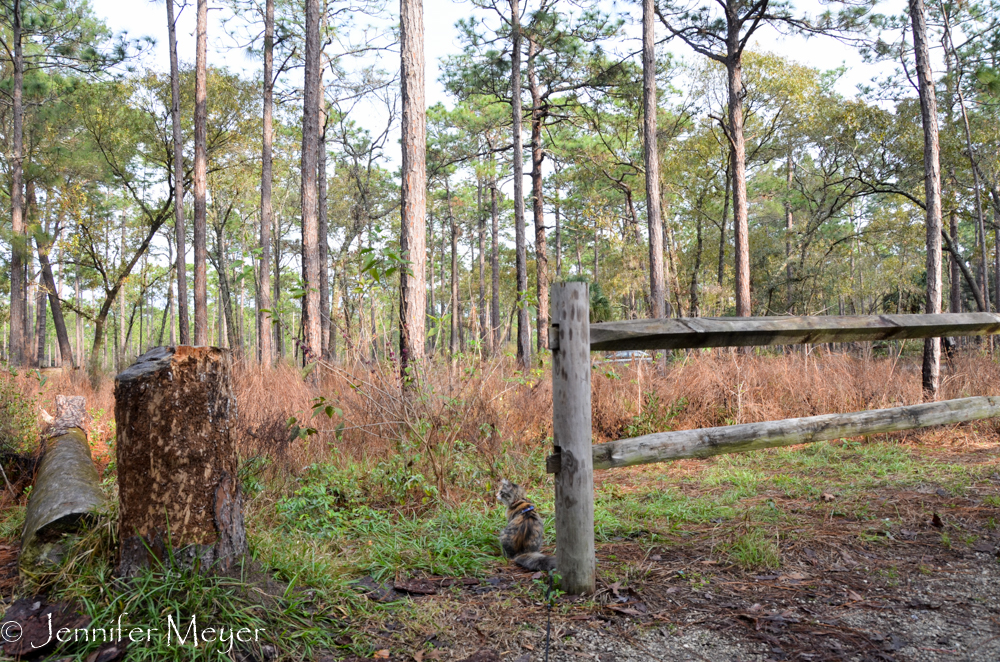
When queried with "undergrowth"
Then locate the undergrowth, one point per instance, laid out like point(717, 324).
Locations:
point(352, 478)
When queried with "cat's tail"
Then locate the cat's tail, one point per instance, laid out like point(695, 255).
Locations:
point(536, 561)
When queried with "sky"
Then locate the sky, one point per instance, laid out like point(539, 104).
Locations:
point(145, 18)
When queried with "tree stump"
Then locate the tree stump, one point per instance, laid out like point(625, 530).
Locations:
point(177, 485)
point(67, 490)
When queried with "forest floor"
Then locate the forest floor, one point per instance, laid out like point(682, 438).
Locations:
point(878, 551)
point(883, 549)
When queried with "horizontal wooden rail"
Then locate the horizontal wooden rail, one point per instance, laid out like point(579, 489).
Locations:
point(690, 332)
point(705, 442)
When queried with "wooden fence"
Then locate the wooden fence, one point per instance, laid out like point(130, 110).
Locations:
point(574, 459)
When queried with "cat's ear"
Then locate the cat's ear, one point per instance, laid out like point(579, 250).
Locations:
point(504, 483)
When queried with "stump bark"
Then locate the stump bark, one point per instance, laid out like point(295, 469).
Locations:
point(67, 490)
point(179, 494)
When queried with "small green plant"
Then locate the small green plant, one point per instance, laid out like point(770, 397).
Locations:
point(654, 416)
point(754, 548)
point(18, 425)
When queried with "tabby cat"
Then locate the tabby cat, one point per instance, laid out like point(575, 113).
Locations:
point(521, 539)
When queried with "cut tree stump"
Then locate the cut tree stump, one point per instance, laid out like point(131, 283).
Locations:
point(177, 485)
point(67, 490)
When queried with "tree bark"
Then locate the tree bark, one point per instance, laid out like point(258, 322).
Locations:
point(495, 321)
point(62, 336)
point(178, 147)
point(19, 240)
point(954, 268)
point(789, 227)
point(310, 203)
point(520, 246)
point(485, 336)
point(200, 178)
point(695, 310)
point(324, 237)
point(995, 194)
point(932, 189)
point(177, 463)
point(453, 337)
point(67, 494)
point(652, 160)
point(538, 206)
point(413, 191)
point(734, 68)
point(265, 333)
point(725, 217)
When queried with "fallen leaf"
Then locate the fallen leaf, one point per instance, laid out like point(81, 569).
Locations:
point(936, 521)
point(381, 655)
point(418, 656)
point(854, 596)
point(826, 496)
point(655, 557)
point(797, 576)
point(983, 546)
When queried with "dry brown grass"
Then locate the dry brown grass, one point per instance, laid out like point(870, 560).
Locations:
point(490, 412)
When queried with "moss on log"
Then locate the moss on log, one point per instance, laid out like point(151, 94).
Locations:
point(177, 482)
point(67, 490)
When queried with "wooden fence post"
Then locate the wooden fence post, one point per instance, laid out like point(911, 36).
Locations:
point(571, 431)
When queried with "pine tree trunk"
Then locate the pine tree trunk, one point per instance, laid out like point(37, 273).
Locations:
point(310, 203)
point(178, 147)
point(538, 207)
point(19, 240)
point(955, 269)
point(932, 190)
point(453, 302)
point(324, 241)
point(200, 179)
point(734, 69)
point(725, 218)
point(789, 227)
point(520, 246)
point(265, 333)
point(652, 160)
point(279, 330)
point(495, 321)
point(484, 333)
point(62, 336)
point(78, 300)
point(413, 201)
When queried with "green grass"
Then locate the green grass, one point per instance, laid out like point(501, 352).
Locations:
point(753, 549)
point(313, 535)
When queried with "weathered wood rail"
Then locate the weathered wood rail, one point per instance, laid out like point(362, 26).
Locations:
point(694, 332)
point(572, 339)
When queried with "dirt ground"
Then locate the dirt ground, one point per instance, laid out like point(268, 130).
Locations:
point(924, 590)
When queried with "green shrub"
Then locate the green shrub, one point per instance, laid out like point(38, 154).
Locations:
point(18, 422)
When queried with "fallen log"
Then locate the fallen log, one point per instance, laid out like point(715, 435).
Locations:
point(705, 442)
point(67, 491)
point(177, 485)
